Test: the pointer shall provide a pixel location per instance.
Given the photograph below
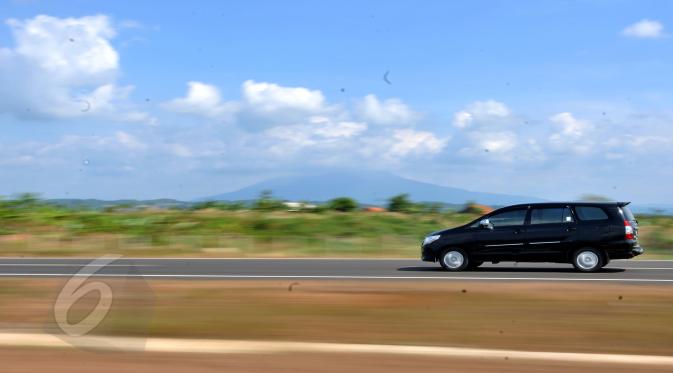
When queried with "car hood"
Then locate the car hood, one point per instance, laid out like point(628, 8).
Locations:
point(446, 231)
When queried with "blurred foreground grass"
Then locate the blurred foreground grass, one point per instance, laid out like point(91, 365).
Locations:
point(30, 227)
point(562, 317)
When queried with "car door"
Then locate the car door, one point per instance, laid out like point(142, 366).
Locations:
point(594, 225)
point(504, 238)
point(549, 232)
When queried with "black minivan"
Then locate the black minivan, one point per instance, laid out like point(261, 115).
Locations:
point(586, 234)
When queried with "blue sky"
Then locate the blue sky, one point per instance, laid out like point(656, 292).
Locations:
point(135, 100)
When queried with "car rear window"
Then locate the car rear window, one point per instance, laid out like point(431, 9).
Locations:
point(628, 215)
point(550, 215)
point(590, 213)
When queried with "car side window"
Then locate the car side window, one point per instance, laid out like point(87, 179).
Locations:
point(508, 218)
point(553, 215)
point(590, 213)
point(568, 215)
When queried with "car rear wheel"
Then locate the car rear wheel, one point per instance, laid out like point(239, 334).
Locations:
point(454, 259)
point(588, 260)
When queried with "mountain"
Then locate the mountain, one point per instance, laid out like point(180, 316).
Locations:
point(365, 187)
point(651, 209)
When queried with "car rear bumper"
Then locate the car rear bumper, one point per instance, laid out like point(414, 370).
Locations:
point(637, 251)
point(626, 252)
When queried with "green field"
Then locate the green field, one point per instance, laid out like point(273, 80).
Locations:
point(30, 227)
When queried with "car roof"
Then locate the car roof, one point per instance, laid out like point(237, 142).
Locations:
point(567, 203)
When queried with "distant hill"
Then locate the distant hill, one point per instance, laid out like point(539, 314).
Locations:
point(365, 187)
point(652, 209)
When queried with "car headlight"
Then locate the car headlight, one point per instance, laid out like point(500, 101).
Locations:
point(430, 239)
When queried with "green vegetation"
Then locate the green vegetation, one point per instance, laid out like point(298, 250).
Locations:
point(343, 204)
point(266, 202)
point(400, 203)
point(31, 227)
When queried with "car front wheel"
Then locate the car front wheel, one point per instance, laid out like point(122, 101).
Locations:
point(588, 260)
point(454, 260)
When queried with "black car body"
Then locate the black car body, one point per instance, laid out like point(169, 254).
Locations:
point(586, 234)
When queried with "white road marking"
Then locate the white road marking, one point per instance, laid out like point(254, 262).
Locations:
point(75, 265)
point(340, 277)
point(201, 258)
point(174, 345)
point(651, 260)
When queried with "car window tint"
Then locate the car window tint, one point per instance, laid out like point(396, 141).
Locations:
point(508, 218)
point(628, 215)
point(567, 215)
point(590, 213)
point(547, 215)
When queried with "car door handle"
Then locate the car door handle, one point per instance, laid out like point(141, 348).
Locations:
point(570, 229)
point(518, 231)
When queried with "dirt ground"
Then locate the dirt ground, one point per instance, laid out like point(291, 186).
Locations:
point(573, 317)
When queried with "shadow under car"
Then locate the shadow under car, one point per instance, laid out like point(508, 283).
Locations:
point(512, 269)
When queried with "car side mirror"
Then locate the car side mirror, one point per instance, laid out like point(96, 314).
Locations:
point(485, 223)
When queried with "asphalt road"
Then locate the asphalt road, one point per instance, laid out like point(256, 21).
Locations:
point(627, 271)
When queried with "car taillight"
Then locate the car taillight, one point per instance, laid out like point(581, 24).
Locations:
point(628, 230)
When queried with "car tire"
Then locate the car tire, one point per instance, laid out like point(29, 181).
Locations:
point(588, 260)
point(454, 259)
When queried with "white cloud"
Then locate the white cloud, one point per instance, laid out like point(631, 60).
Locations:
point(648, 142)
point(408, 141)
point(574, 136)
point(480, 112)
point(340, 129)
point(645, 29)
point(269, 97)
point(390, 111)
point(498, 146)
point(64, 68)
point(129, 141)
point(320, 132)
point(489, 108)
point(263, 104)
point(71, 48)
point(570, 126)
point(462, 119)
point(202, 99)
point(497, 142)
point(298, 124)
point(180, 150)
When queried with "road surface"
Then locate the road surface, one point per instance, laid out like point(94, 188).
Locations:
point(627, 271)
